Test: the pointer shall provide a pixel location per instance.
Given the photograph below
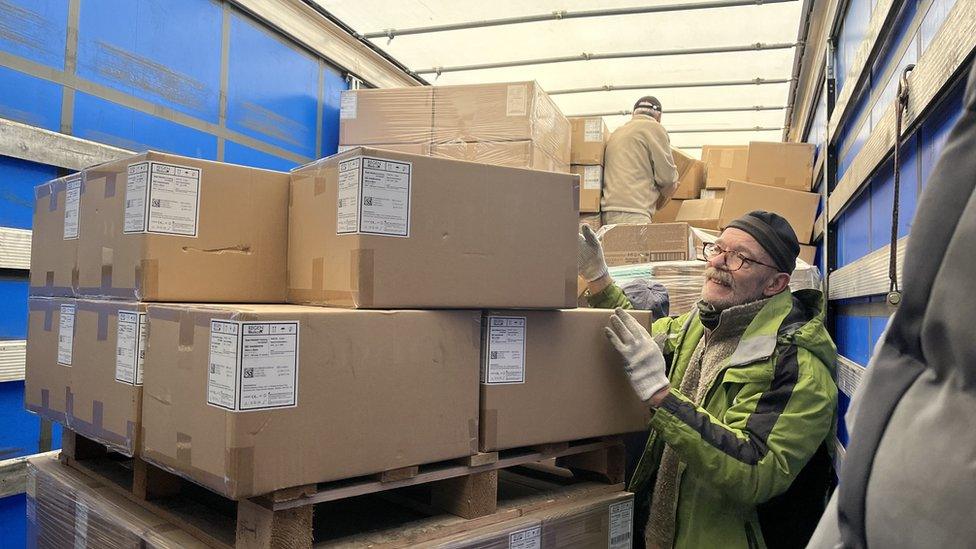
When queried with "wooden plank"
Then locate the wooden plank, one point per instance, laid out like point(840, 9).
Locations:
point(481, 458)
point(52, 148)
point(288, 494)
point(402, 473)
point(13, 473)
point(75, 447)
point(262, 528)
point(469, 496)
point(607, 464)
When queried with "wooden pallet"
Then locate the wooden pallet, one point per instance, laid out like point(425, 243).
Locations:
point(466, 488)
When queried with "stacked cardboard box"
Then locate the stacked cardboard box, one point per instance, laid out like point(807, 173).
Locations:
point(509, 124)
point(691, 180)
point(588, 142)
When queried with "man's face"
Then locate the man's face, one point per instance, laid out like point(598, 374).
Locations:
point(724, 288)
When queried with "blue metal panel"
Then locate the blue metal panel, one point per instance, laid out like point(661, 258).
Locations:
point(106, 122)
point(877, 327)
point(882, 194)
point(164, 51)
point(236, 153)
point(853, 239)
point(21, 428)
point(935, 130)
point(29, 100)
point(35, 30)
point(13, 307)
point(853, 338)
point(335, 83)
point(848, 142)
point(273, 88)
point(13, 522)
point(17, 181)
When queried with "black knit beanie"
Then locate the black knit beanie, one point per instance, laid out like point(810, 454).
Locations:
point(774, 234)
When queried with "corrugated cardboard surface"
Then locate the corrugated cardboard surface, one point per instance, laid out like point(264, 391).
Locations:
point(691, 175)
point(376, 391)
point(53, 257)
point(669, 213)
point(238, 254)
point(586, 524)
point(587, 146)
point(514, 154)
point(575, 386)
point(786, 165)
point(480, 237)
point(629, 244)
point(591, 187)
point(799, 208)
point(712, 193)
point(46, 383)
point(703, 213)
point(724, 163)
point(378, 116)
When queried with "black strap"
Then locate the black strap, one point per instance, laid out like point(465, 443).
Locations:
point(894, 294)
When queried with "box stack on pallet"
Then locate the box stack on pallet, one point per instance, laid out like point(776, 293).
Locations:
point(242, 355)
point(589, 140)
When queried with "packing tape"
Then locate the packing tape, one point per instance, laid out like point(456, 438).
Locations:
point(187, 328)
point(96, 430)
point(49, 279)
point(319, 186)
point(106, 276)
point(489, 430)
point(102, 333)
point(41, 191)
point(240, 469)
point(75, 276)
point(45, 410)
point(217, 483)
point(473, 435)
point(147, 285)
point(362, 275)
point(318, 273)
point(56, 187)
point(332, 298)
point(110, 181)
point(184, 449)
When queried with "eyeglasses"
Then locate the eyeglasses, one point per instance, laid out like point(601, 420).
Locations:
point(733, 259)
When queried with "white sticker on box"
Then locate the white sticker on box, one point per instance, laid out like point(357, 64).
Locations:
point(505, 353)
point(621, 525)
point(253, 365)
point(162, 199)
point(727, 159)
point(593, 130)
point(72, 202)
point(81, 525)
point(66, 334)
point(592, 177)
point(136, 185)
point(344, 148)
point(348, 105)
point(517, 100)
point(373, 197)
point(530, 538)
point(130, 347)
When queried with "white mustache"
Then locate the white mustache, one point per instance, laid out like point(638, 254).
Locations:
point(721, 276)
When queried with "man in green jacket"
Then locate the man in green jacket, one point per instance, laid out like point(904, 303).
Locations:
point(742, 391)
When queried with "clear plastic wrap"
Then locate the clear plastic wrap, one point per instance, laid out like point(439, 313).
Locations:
point(605, 521)
point(516, 154)
point(592, 219)
point(68, 509)
point(386, 116)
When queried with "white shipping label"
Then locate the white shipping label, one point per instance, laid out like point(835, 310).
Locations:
point(505, 353)
point(385, 197)
point(593, 130)
point(348, 105)
point(66, 334)
point(621, 525)
point(130, 347)
point(174, 199)
point(72, 201)
point(347, 196)
point(136, 186)
point(223, 364)
point(592, 177)
point(517, 100)
point(530, 538)
point(253, 365)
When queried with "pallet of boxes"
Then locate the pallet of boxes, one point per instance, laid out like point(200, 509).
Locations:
point(589, 140)
point(379, 349)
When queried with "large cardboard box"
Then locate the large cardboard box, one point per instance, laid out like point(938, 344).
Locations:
point(799, 208)
point(808, 254)
point(607, 521)
point(93, 385)
point(712, 193)
point(591, 187)
point(386, 116)
point(691, 175)
point(786, 165)
point(552, 376)
point(588, 140)
point(376, 229)
point(422, 149)
point(630, 244)
point(668, 213)
point(247, 399)
point(515, 154)
point(514, 111)
point(723, 163)
point(703, 213)
point(54, 239)
point(160, 227)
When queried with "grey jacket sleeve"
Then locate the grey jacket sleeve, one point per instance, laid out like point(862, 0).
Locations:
point(827, 535)
point(665, 173)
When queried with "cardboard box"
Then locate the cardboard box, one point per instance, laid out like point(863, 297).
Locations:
point(702, 237)
point(422, 149)
point(702, 213)
point(808, 254)
point(591, 187)
point(691, 175)
point(384, 116)
point(515, 111)
point(712, 194)
point(607, 521)
point(94, 382)
point(630, 244)
point(209, 231)
point(441, 233)
point(515, 154)
point(594, 220)
point(346, 393)
point(799, 208)
point(723, 163)
point(668, 213)
point(54, 240)
point(539, 383)
point(588, 140)
point(786, 165)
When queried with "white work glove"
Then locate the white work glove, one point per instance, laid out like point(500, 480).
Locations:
point(645, 365)
point(589, 255)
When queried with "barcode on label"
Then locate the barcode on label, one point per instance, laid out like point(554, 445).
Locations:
point(620, 538)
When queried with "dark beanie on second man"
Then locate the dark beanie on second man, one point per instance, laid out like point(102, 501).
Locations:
point(648, 102)
point(774, 234)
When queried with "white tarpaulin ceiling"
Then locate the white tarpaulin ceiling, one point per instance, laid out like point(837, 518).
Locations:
point(770, 24)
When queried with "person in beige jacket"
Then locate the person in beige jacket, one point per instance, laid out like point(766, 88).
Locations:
point(639, 176)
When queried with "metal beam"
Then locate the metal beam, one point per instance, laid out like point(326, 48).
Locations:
point(759, 46)
point(669, 85)
point(866, 276)
point(13, 357)
point(564, 14)
point(801, 40)
point(15, 247)
point(723, 130)
point(849, 375)
point(685, 111)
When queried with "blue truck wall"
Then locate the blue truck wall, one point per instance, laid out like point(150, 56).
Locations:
point(145, 74)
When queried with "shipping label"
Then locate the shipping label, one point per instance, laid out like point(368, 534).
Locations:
point(130, 347)
point(505, 351)
point(162, 199)
point(517, 100)
point(72, 202)
point(373, 197)
point(136, 186)
point(621, 525)
point(66, 334)
point(592, 177)
point(593, 130)
point(253, 365)
point(348, 105)
point(530, 538)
